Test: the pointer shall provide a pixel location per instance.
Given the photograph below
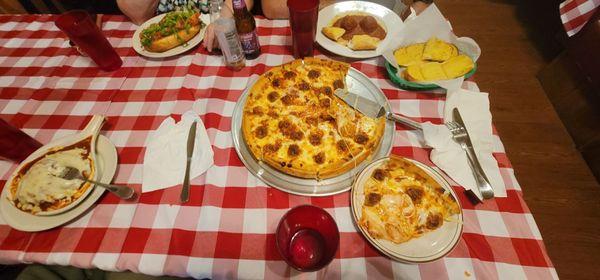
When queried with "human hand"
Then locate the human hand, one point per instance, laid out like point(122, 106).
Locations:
point(210, 42)
point(420, 6)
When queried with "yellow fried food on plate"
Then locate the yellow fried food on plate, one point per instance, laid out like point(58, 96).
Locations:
point(433, 71)
point(452, 68)
point(363, 42)
point(413, 73)
point(333, 33)
point(457, 66)
point(438, 50)
point(409, 55)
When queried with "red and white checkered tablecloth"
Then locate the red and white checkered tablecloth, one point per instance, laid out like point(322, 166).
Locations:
point(574, 14)
point(226, 231)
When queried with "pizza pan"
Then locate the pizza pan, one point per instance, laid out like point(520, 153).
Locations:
point(357, 82)
point(426, 248)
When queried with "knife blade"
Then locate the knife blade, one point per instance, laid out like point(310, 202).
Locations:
point(372, 109)
point(191, 140)
point(367, 107)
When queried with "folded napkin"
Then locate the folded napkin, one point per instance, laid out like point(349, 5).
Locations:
point(166, 153)
point(449, 156)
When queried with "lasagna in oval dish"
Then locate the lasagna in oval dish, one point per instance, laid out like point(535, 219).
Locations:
point(38, 188)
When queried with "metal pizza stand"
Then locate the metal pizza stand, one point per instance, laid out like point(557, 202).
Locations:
point(356, 82)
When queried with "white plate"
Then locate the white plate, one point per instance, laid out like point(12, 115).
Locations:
point(90, 130)
point(137, 45)
point(386, 16)
point(106, 157)
point(428, 247)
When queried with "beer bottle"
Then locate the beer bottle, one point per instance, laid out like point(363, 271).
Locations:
point(246, 28)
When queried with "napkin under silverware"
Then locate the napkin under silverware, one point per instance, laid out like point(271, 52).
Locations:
point(166, 153)
point(450, 157)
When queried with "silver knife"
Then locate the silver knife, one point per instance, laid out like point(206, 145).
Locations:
point(485, 188)
point(373, 109)
point(191, 140)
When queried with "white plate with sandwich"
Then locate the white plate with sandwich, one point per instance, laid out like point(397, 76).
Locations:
point(170, 34)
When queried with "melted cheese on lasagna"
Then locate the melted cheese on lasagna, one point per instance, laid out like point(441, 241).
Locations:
point(41, 187)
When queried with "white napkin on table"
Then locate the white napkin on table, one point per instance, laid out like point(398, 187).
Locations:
point(449, 156)
point(166, 153)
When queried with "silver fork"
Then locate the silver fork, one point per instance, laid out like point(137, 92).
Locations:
point(70, 173)
point(460, 136)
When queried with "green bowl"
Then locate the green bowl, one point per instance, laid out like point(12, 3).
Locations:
point(401, 82)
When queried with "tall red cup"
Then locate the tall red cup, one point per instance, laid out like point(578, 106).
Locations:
point(303, 21)
point(83, 31)
point(15, 145)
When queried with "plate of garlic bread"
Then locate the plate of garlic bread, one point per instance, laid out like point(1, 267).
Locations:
point(419, 65)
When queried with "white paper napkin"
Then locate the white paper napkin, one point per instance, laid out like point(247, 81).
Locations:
point(166, 153)
point(449, 156)
point(419, 29)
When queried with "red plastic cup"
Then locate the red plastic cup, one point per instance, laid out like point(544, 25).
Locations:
point(303, 21)
point(307, 238)
point(83, 31)
point(15, 145)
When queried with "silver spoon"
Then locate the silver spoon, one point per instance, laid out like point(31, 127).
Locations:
point(70, 173)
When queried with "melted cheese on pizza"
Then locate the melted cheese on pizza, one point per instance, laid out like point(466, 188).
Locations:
point(402, 202)
point(293, 122)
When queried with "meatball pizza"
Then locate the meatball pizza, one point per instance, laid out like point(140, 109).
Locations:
point(402, 202)
point(293, 122)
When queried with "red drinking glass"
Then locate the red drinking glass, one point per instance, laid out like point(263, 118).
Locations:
point(15, 144)
point(83, 31)
point(307, 238)
point(303, 21)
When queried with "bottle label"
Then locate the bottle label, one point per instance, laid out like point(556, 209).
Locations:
point(249, 42)
point(234, 52)
point(229, 42)
point(239, 4)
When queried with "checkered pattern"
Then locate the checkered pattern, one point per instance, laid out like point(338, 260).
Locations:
point(574, 14)
point(226, 231)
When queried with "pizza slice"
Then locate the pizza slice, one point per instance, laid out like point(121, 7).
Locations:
point(402, 202)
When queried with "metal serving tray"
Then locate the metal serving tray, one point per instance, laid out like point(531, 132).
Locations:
point(358, 83)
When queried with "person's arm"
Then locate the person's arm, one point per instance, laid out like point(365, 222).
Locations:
point(275, 9)
point(138, 11)
point(421, 5)
point(418, 5)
